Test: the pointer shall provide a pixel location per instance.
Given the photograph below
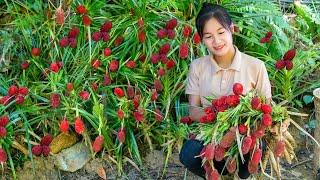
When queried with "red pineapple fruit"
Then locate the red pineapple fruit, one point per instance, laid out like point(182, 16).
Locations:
point(280, 64)
point(289, 55)
point(131, 64)
point(164, 49)
point(35, 51)
point(54, 67)
point(46, 140)
point(64, 125)
point(105, 36)
point(256, 156)
point(155, 58)
point(46, 150)
point(161, 72)
point(140, 22)
point(121, 135)
point(118, 92)
point(55, 100)
point(106, 80)
point(196, 39)
point(120, 114)
point(266, 109)
point(185, 120)
point(84, 95)
point(73, 33)
point(214, 175)
point(172, 23)
point(13, 90)
point(158, 115)
point(187, 31)
point(79, 125)
point(142, 36)
point(162, 33)
point(138, 116)
point(279, 148)
point(69, 87)
point(107, 52)
point(246, 144)
point(4, 120)
point(118, 41)
point(255, 103)
point(209, 152)
point(289, 65)
point(228, 138)
point(25, 65)
point(154, 95)
point(242, 129)
point(98, 143)
point(171, 33)
point(130, 92)
point(183, 51)
point(23, 91)
point(3, 156)
point(266, 120)
point(86, 20)
point(81, 9)
point(5, 100)
point(170, 64)
point(252, 168)
point(3, 131)
point(158, 85)
point(114, 65)
point(95, 64)
point(106, 27)
point(232, 165)
point(96, 36)
point(237, 89)
point(64, 42)
point(219, 153)
point(36, 150)
point(268, 34)
point(19, 99)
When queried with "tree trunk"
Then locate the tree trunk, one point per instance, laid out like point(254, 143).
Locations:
point(316, 159)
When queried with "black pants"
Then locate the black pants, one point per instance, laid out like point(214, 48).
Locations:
point(192, 148)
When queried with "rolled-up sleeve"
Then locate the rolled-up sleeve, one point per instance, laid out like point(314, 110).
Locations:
point(192, 86)
point(263, 83)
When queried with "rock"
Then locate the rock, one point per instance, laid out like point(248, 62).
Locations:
point(73, 158)
point(62, 141)
point(40, 169)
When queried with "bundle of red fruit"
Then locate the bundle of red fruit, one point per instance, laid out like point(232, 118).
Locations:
point(15, 93)
point(4, 120)
point(286, 61)
point(43, 148)
point(266, 38)
point(234, 126)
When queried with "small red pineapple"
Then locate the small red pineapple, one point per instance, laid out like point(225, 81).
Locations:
point(64, 125)
point(121, 135)
point(237, 89)
point(79, 125)
point(98, 143)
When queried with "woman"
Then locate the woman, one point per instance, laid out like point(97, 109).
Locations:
point(215, 74)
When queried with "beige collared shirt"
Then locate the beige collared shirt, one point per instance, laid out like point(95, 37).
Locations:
point(206, 78)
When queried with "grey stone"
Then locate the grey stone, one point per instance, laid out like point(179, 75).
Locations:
point(73, 158)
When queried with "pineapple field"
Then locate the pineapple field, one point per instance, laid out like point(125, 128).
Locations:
point(96, 89)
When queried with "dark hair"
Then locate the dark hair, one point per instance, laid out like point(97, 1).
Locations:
point(209, 11)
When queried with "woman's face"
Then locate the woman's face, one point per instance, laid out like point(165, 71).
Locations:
point(217, 39)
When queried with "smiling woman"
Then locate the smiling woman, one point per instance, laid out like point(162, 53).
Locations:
point(214, 75)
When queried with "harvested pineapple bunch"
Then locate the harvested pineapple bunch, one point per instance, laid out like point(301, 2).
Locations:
point(239, 126)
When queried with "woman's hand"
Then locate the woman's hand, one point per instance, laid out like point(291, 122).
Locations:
point(195, 111)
